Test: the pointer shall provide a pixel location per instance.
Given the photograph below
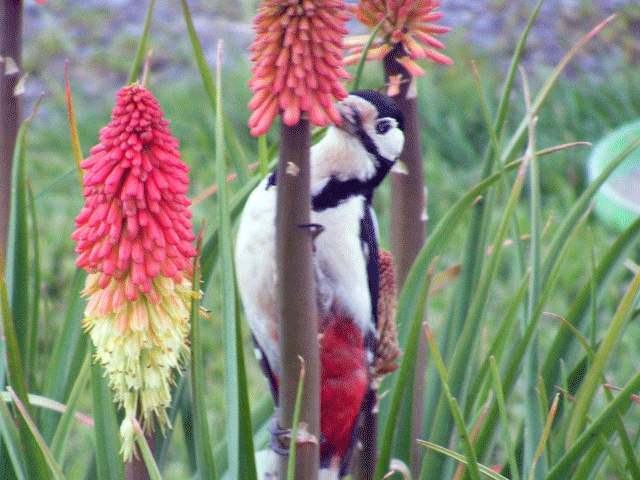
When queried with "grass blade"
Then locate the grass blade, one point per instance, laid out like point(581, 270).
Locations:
point(504, 420)
point(32, 333)
point(363, 56)
point(472, 460)
point(600, 426)
point(14, 284)
point(73, 127)
point(545, 436)
point(17, 254)
point(147, 454)
point(133, 76)
point(49, 404)
point(11, 441)
point(239, 432)
point(55, 468)
point(247, 449)
point(203, 452)
point(107, 435)
point(62, 366)
point(291, 465)
point(203, 68)
point(59, 442)
point(503, 105)
point(518, 136)
point(228, 293)
point(533, 415)
point(462, 459)
point(588, 387)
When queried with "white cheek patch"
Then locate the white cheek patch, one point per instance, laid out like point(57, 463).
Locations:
point(340, 155)
point(390, 144)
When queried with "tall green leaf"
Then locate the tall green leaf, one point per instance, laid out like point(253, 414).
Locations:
point(459, 366)
point(44, 449)
point(471, 458)
point(135, 69)
point(411, 305)
point(15, 302)
point(604, 270)
point(59, 442)
point(239, 433)
point(68, 352)
point(601, 426)
point(201, 439)
point(587, 390)
point(11, 440)
point(533, 415)
point(462, 459)
point(106, 431)
point(34, 314)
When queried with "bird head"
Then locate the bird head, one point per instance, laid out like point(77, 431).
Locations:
point(367, 142)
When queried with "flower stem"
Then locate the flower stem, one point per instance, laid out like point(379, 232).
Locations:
point(10, 106)
point(408, 224)
point(298, 328)
point(136, 469)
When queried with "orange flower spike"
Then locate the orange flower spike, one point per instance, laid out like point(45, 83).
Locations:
point(135, 240)
point(297, 52)
point(405, 22)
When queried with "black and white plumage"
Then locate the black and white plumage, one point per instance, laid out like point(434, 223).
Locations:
point(346, 167)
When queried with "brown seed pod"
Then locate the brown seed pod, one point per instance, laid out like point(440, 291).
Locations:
point(388, 349)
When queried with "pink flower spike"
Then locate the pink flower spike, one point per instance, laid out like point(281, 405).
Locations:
point(134, 237)
point(114, 186)
point(296, 43)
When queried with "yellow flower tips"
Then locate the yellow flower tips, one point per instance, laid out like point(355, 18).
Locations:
point(297, 52)
point(408, 23)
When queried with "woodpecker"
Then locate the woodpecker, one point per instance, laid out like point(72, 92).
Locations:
point(347, 165)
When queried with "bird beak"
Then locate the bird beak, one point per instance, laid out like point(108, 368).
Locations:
point(350, 118)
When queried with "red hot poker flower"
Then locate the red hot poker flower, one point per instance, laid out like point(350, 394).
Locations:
point(134, 237)
point(298, 62)
point(135, 221)
point(405, 22)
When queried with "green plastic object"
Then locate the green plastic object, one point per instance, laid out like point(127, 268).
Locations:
point(618, 199)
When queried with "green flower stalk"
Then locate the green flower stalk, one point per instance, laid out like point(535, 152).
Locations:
point(135, 240)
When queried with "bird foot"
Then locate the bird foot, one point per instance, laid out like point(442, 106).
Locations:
point(280, 438)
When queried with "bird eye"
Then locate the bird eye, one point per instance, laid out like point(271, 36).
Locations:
point(383, 126)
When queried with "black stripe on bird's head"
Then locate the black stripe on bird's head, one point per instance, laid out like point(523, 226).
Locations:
point(376, 121)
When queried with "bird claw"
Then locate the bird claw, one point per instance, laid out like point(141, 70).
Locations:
point(281, 435)
point(315, 229)
point(278, 434)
